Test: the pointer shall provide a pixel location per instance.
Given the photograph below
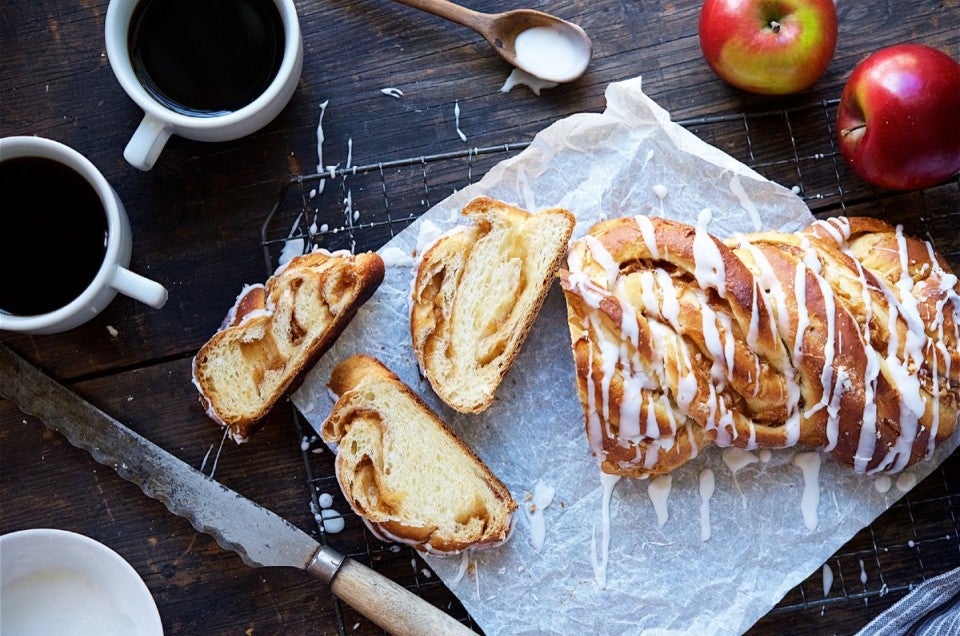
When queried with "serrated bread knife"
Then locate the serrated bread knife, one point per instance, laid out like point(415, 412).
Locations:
point(260, 537)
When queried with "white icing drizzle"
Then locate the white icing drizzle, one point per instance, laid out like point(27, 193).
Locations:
point(464, 564)
point(320, 137)
point(904, 373)
point(709, 269)
point(704, 217)
point(803, 315)
point(607, 482)
point(809, 465)
point(456, 119)
point(736, 187)
point(670, 307)
point(332, 521)
point(391, 91)
point(396, 257)
point(542, 497)
point(735, 459)
point(827, 580)
point(519, 77)
point(706, 492)
point(660, 191)
point(649, 235)
point(882, 483)
point(604, 259)
point(863, 573)
point(711, 337)
point(906, 481)
point(659, 491)
point(827, 385)
point(687, 386)
point(778, 315)
point(594, 425)
point(867, 440)
point(833, 408)
point(648, 294)
point(753, 333)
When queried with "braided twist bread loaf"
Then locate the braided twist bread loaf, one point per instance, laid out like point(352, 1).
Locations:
point(843, 336)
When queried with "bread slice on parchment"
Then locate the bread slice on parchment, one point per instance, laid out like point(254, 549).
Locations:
point(476, 294)
point(404, 471)
point(275, 332)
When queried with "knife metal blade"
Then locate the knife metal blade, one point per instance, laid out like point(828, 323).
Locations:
point(259, 536)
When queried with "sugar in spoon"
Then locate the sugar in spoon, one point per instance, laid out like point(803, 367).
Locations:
point(540, 44)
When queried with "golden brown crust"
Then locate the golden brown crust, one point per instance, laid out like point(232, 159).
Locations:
point(766, 340)
point(254, 299)
point(278, 332)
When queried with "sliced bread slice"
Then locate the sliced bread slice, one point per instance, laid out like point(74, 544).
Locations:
point(404, 471)
point(276, 331)
point(476, 294)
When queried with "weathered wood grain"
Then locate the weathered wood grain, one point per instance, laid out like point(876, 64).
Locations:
point(197, 217)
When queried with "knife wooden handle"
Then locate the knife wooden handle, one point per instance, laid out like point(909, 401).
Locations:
point(389, 605)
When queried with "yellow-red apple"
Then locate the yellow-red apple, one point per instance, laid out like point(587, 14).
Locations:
point(773, 47)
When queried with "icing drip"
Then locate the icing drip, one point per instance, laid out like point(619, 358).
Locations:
point(659, 491)
point(827, 580)
point(809, 464)
point(736, 187)
point(882, 483)
point(709, 269)
point(906, 481)
point(542, 497)
point(607, 482)
point(649, 235)
point(735, 459)
point(706, 492)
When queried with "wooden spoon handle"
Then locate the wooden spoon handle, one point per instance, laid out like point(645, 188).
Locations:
point(479, 22)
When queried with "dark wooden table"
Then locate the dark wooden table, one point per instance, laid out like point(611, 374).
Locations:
point(197, 220)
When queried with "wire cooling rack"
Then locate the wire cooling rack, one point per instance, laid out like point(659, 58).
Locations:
point(362, 207)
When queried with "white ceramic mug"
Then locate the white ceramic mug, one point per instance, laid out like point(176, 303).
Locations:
point(160, 121)
point(112, 275)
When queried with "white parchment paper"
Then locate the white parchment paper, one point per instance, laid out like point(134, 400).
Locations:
point(630, 159)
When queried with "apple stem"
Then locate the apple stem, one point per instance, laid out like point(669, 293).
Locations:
point(775, 26)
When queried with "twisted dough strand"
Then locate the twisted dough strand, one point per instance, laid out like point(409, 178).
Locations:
point(843, 336)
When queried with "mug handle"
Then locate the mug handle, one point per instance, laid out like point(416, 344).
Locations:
point(149, 139)
point(139, 288)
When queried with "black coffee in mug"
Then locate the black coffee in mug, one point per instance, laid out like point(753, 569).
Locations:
point(53, 237)
point(206, 58)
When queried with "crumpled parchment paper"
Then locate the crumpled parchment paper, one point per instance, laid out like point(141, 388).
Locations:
point(661, 579)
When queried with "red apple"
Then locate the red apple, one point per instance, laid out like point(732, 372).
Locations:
point(774, 47)
point(899, 117)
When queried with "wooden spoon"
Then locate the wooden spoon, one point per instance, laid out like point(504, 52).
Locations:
point(554, 50)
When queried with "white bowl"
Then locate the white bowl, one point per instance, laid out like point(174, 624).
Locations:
point(59, 582)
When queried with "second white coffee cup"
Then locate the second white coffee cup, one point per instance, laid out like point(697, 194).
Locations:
point(177, 59)
point(100, 241)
